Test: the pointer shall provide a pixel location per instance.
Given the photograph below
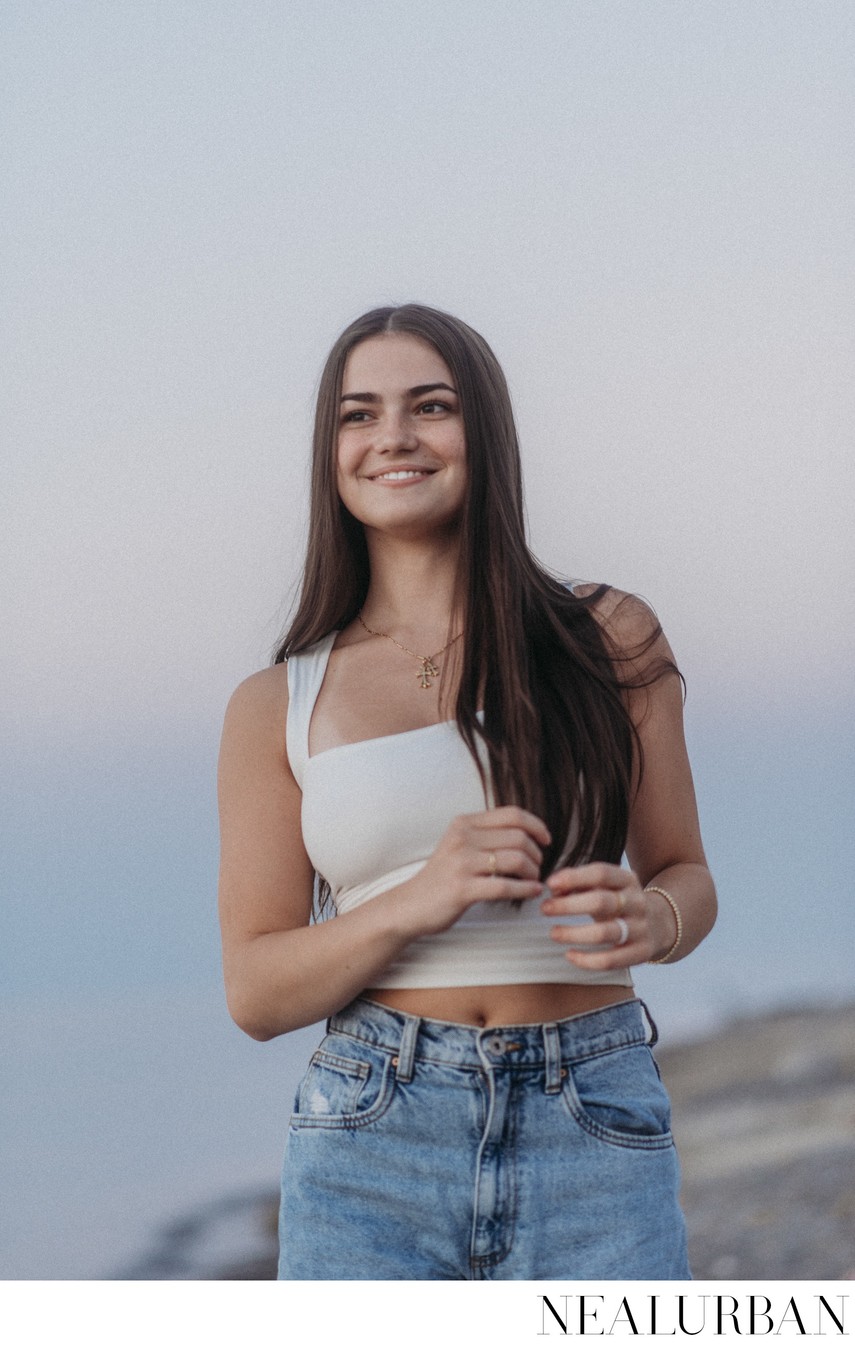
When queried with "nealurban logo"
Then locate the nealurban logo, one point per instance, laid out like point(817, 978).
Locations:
point(656, 1316)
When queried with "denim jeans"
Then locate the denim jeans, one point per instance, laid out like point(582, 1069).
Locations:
point(421, 1149)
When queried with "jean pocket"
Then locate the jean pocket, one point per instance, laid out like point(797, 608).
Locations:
point(342, 1092)
point(619, 1098)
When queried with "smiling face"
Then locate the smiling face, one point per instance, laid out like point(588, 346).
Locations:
point(401, 449)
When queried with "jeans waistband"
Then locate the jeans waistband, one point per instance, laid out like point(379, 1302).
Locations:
point(411, 1038)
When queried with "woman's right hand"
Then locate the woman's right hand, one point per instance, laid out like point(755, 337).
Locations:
point(496, 854)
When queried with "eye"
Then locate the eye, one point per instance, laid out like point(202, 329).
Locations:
point(357, 415)
point(435, 405)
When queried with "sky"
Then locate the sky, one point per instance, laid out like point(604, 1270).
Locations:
point(646, 208)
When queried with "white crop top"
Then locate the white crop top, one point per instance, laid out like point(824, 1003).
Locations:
point(372, 814)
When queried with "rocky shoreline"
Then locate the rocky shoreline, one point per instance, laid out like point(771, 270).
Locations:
point(764, 1117)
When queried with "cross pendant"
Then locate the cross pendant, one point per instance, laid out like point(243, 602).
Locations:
point(427, 672)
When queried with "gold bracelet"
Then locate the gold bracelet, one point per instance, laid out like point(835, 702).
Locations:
point(657, 889)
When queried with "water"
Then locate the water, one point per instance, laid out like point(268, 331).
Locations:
point(129, 1097)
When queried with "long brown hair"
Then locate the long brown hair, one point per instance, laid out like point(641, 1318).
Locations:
point(556, 725)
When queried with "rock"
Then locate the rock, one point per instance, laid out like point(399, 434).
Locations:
point(232, 1238)
point(764, 1118)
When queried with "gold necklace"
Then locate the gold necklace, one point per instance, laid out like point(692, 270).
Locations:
point(429, 670)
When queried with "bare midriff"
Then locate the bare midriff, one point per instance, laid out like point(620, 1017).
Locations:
point(514, 1004)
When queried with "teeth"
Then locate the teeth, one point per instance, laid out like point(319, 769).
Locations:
point(401, 475)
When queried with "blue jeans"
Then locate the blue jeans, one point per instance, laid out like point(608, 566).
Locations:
point(429, 1150)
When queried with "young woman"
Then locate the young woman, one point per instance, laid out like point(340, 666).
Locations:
point(459, 748)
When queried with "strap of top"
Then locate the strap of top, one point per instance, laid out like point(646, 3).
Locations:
point(306, 672)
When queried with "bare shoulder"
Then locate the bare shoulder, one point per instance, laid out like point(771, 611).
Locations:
point(261, 695)
point(255, 715)
point(628, 621)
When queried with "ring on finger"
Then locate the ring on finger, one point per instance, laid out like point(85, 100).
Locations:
point(494, 865)
point(621, 903)
point(624, 931)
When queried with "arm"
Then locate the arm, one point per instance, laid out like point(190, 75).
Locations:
point(664, 841)
point(280, 972)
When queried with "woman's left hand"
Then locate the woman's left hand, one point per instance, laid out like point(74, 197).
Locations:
point(626, 927)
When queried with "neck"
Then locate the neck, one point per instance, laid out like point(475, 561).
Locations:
point(412, 588)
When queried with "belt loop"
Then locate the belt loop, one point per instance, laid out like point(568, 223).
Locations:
point(552, 1052)
point(654, 1033)
point(407, 1049)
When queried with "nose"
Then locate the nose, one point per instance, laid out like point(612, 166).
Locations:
point(395, 432)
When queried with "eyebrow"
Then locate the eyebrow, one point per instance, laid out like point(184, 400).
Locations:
point(412, 393)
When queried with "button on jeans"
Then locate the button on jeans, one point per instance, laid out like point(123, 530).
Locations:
point(421, 1149)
